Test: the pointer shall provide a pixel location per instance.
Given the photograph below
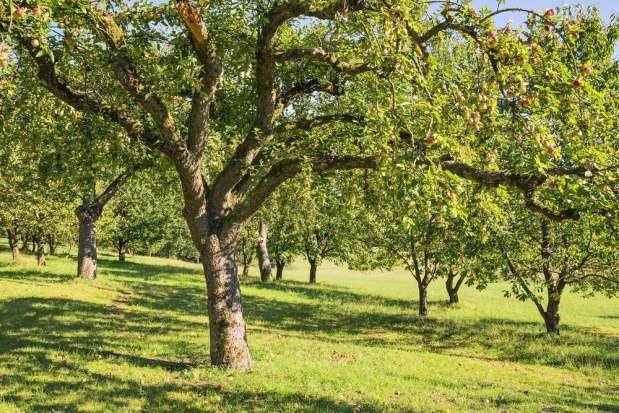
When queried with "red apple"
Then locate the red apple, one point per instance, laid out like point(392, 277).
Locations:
point(431, 139)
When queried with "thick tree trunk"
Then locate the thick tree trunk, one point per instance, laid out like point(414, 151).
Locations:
point(280, 269)
point(423, 299)
point(229, 347)
point(40, 252)
point(13, 236)
point(87, 244)
point(121, 246)
point(263, 253)
point(313, 268)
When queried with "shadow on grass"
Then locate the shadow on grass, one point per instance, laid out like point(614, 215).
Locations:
point(338, 315)
point(43, 335)
point(46, 346)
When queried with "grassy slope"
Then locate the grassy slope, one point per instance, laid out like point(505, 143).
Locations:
point(136, 340)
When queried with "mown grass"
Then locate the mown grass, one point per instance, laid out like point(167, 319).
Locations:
point(136, 340)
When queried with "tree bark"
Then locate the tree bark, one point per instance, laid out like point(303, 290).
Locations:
point(279, 265)
point(453, 289)
point(263, 253)
point(87, 216)
point(423, 299)
point(13, 236)
point(229, 347)
point(551, 315)
point(246, 264)
point(40, 252)
point(121, 246)
point(51, 243)
point(313, 268)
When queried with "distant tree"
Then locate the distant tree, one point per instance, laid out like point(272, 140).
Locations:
point(540, 256)
point(246, 248)
point(283, 217)
point(262, 251)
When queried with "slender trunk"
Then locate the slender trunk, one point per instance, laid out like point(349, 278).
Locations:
point(246, 264)
point(13, 236)
point(313, 268)
point(24, 244)
point(263, 253)
point(40, 252)
point(87, 244)
point(279, 264)
point(51, 243)
point(121, 246)
point(229, 347)
point(34, 245)
point(423, 299)
point(453, 289)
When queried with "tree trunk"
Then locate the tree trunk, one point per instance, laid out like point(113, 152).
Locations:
point(551, 315)
point(87, 244)
point(423, 299)
point(313, 268)
point(122, 250)
point(24, 244)
point(229, 347)
point(13, 236)
point(263, 253)
point(51, 243)
point(246, 264)
point(453, 289)
point(279, 264)
point(40, 251)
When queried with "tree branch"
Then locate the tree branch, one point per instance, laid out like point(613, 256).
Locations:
point(321, 55)
point(211, 75)
point(289, 168)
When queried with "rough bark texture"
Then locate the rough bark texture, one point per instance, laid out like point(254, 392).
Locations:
point(279, 269)
point(423, 299)
point(87, 244)
point(40, 252)
point(313, 269)
point(229, 347)
point(263, 253)
point(13, 237)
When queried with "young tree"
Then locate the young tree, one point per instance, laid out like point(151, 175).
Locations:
point(322, 227)
point(541, 256)
point(283, 217)
point(246, 248)
point(262, 251)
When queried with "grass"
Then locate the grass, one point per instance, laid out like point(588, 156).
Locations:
point(136, 340)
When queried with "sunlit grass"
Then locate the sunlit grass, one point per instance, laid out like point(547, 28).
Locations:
point(136, 340)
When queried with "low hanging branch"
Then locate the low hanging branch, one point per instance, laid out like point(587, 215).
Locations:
point(287, 169)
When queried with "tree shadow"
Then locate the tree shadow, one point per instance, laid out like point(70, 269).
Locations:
point(43, 336)
point(15, 272)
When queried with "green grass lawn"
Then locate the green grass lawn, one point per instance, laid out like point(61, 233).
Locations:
point(136, 339)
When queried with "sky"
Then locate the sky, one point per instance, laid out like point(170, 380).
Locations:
point(607, 7)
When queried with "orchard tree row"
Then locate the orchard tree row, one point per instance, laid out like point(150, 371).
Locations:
point(378, 133)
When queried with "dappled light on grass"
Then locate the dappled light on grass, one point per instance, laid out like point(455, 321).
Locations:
point(136, 339)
